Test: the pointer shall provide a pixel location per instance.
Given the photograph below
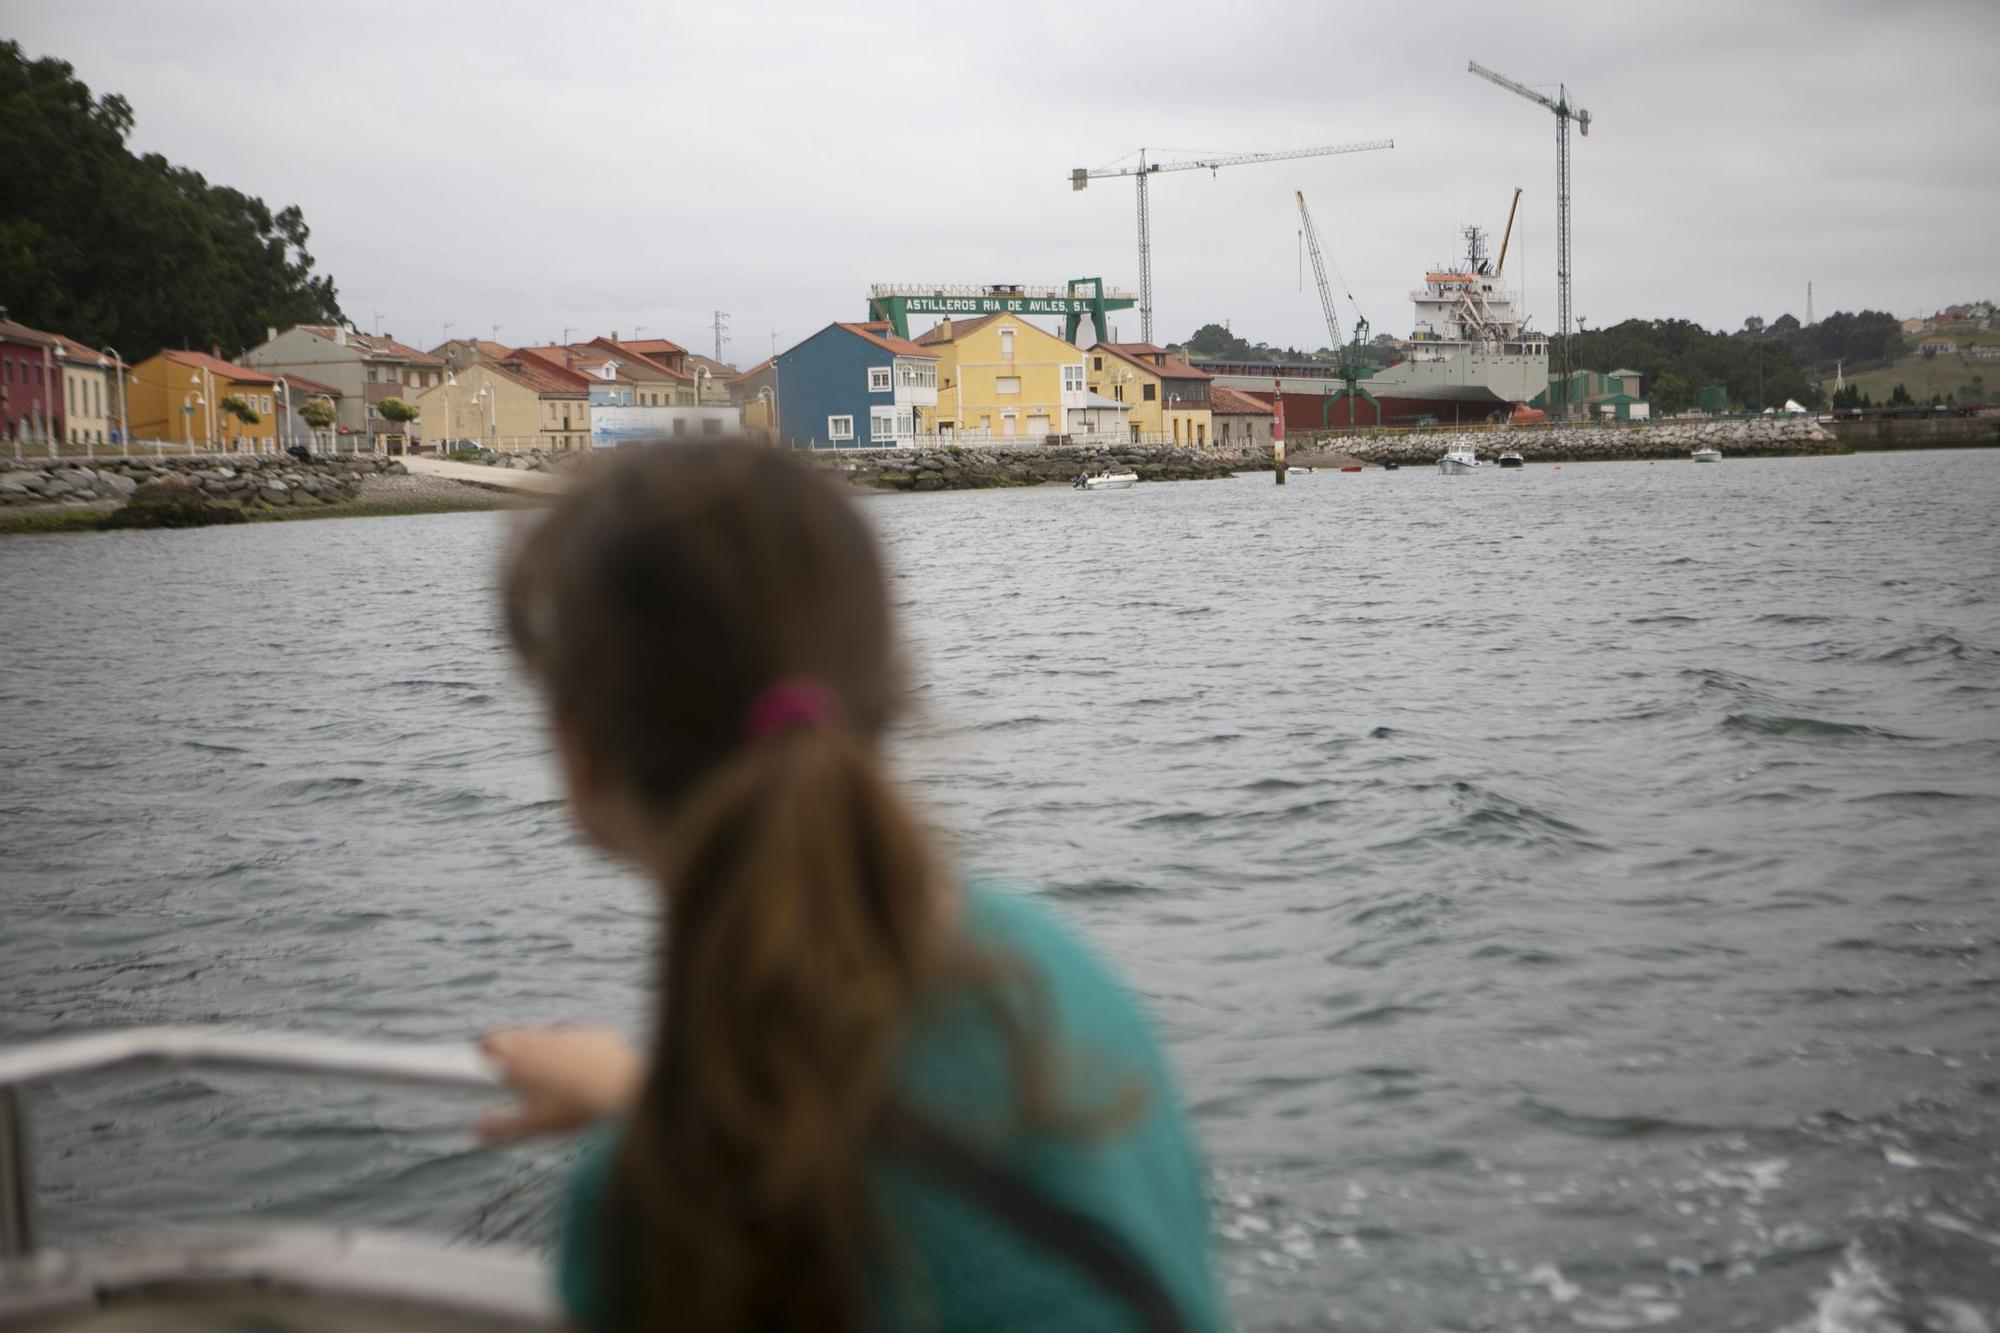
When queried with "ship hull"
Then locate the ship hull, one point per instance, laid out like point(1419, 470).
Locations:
point(1459, 390)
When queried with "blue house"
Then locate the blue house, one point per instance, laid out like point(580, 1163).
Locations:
point(855, 386)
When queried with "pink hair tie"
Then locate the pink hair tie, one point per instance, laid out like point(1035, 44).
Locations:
point(795, 702)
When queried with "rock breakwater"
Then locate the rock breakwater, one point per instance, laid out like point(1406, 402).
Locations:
point(236, 481)
point(1771, 437)
point(955, 467)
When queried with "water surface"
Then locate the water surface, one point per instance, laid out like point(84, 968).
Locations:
point(1567, 894)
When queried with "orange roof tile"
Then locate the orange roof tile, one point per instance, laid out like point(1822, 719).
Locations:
point(1140, 354)
point(884, 337)
point(1234, 402)
point(76, 351)
point(650, 346)
point(642, 359)
point(215, 365)
point(937, 333)
point(300, 384)
point(537, 374)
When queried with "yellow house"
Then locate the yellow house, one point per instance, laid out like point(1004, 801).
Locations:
point(1168, 397)
point(1001, 377)
point(517, 404)
point(187, 397)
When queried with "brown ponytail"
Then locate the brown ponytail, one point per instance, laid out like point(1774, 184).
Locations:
point(802, 894)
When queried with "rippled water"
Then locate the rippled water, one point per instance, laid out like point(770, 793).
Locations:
point(1569, 894)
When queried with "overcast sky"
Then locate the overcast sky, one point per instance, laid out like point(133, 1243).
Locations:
point(626, 165)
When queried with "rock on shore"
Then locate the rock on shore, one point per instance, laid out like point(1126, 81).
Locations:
point(1755, 437)
point(229, 481)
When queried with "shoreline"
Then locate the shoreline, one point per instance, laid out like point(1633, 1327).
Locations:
point(385, 496)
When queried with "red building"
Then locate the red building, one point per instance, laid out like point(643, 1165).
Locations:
point(31, 383)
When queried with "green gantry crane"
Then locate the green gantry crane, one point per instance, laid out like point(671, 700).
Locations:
point(1351, 365)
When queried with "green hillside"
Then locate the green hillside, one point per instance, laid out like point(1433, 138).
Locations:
point(1946, 375)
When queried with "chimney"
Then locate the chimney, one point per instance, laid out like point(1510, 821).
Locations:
point(944, 326)
point(270, 333)
point(215, 350)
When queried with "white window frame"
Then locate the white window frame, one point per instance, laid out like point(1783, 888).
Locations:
point(1000, 383)
point(881, 425)
point(840, 427)
point(1073, 378)
point(1006, 344)
point(878, 379)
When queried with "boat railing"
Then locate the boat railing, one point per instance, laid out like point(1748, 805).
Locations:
point(436, 1065)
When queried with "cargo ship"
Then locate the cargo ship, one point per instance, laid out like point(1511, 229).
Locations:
point(1470, 359)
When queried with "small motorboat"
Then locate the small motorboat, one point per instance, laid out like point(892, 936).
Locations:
point(1390, 465)
point(1351, 467)
point(1512, 458)
point(1107, 481)
point(1458, 459)
point(1298, 471)
point(1707, 454)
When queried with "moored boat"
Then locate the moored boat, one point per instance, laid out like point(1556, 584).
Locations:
point(1107, 481)
point(1707, 454)
point(1457, 460)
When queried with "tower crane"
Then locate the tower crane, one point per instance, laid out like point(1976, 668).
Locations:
point(1564, 113)
point(1352, 372)
point(1145, 170)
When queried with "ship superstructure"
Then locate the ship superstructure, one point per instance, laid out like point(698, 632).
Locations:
point(1470, 358)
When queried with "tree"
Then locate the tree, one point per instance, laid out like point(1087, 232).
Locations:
point(1671, 394)
point(1900, 397)
point(239, 409)
point(399, 410)
point(111, 248)
point(318, 413)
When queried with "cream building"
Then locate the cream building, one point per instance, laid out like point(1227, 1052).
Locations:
point(517, 405)
point(90, 393)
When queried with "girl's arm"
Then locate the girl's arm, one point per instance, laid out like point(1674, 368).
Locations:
point(563, 1079)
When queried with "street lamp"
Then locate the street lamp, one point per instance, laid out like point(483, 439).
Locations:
point(450, 383)
point(493, 411)
point(284, 389)
point(188, 400)
point(700, 371)
point(770, 399)
point(117, 365)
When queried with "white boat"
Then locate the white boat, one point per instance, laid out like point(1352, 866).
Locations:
point(1459, 458)
point(1708, 454)
point(1512, 458)
point(1298, 471)
point(1107, 481)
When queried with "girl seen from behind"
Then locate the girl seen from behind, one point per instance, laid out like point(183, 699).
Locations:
point(876, 1097)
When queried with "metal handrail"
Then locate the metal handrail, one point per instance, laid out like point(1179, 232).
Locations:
point(441, 1065)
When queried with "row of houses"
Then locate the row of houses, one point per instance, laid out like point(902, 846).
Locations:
point(995, 377)
point(1975, 315)
point(54, 390)
point(850, 385)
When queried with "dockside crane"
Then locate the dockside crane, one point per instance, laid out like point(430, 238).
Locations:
point(1144, 171)
point(1350, 366)
point(1564, 113)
